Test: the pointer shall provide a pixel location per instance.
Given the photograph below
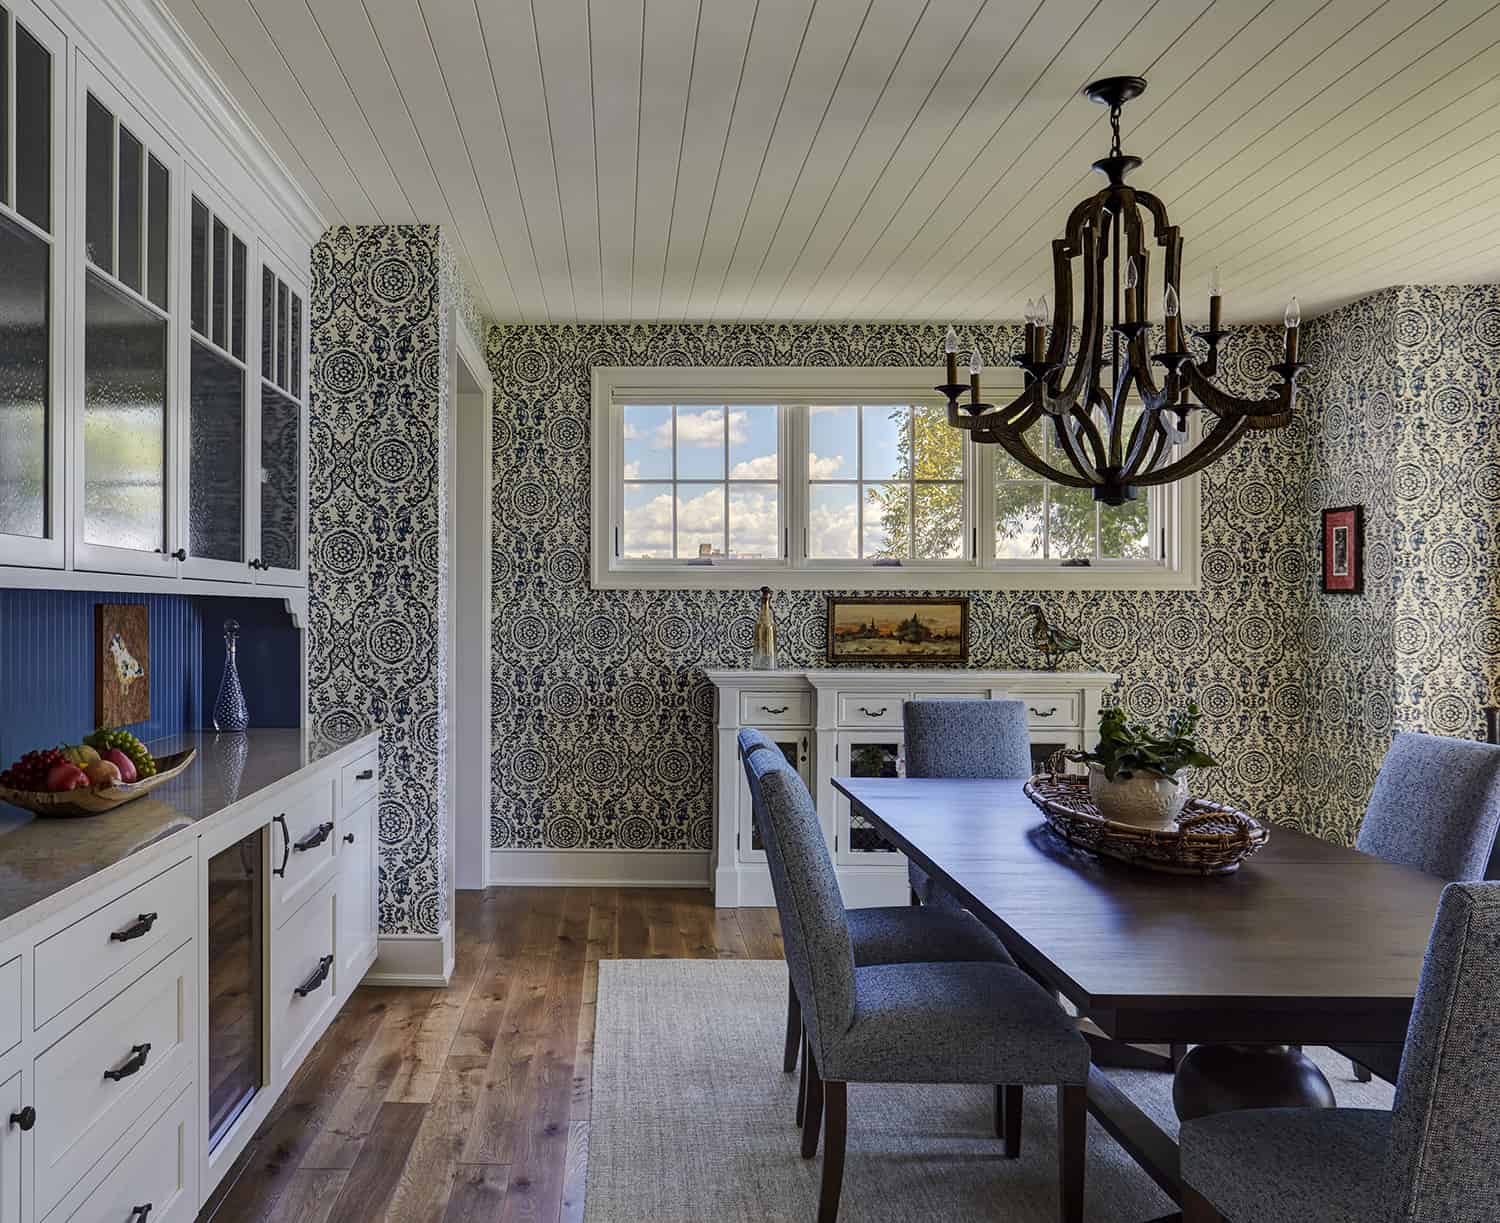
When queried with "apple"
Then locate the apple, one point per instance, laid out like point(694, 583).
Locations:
point(122, 762)
point(64, 776)
point(102, 773)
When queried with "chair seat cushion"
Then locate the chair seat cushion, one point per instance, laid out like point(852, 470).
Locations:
point(1290, 1165)
point(955, 1023)
point(930, 892)
point(900, 935)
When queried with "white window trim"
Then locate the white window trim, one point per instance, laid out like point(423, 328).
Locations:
point(613, 385)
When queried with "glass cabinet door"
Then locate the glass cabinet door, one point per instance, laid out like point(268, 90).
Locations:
point(796, 746)
point(123, 520)
point(31, 271)
point(279, 555)
point(865, 754)
point(216, 510)
point(236, 981)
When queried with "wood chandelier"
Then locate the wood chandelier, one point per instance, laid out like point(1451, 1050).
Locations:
point(1084, 395)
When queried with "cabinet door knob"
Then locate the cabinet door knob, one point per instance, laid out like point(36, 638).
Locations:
point(348, 838)
point(24, 1119)
point(137, 1059)
point(140, 927)
point(320, 974)
point(180, 554)
point(365, 775)
point(314, 838)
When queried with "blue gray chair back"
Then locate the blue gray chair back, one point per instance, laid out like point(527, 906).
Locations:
point(1445, 1127)
point(1435, 806)
point(979, 739)
point(814, 928)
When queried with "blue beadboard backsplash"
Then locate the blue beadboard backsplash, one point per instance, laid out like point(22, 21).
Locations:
point(47, 664)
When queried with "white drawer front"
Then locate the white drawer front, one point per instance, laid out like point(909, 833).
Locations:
point(156, 1171)
point(356, 906)
point(359, 781)
point(303, 958)
point(120, 938)
point(10, 1004)
point(303, 847)
point(1044, 712)
point(870, 708)
point(978, 694)
point(776, 708)
point(145, 1038)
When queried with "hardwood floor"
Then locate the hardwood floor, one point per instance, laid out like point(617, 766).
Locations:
point(471, 1103)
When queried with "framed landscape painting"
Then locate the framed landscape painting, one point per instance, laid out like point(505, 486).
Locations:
point(1344, 550)
point(929, 630)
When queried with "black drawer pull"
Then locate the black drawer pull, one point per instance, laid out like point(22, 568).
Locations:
point(320, 974)
point(139, 1214)
point(879, 713)
point(24, 1119)
point(1037, 713)
point(286, 846)
point(348, 838)
point(314, 838)
point(140, 927)
point(768, 709)
point(365, 775)
point(136, 1061)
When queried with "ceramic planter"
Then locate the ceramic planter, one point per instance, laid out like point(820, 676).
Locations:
point(1143, 799)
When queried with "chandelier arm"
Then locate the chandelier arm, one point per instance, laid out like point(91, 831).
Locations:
point(1153, 446)
point(1059, 343)
point(1272, 413)
point(1223, 435)
point(1070, 447)
point(1015, 446)
point(1091, 343)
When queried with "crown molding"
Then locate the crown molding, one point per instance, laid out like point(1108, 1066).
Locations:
point(174, 53)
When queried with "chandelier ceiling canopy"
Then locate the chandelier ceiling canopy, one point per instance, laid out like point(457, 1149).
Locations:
point(1118, 416)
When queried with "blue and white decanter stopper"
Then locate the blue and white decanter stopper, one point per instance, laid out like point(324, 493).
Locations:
point(230, 713)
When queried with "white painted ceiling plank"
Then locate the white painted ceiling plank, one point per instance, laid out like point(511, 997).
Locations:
point(297, 35)
point(459, 42)
point(565, 48)
point(616, 32)
point(776, 42)
point(670, 44)
point(516, 73)
point(713, 93)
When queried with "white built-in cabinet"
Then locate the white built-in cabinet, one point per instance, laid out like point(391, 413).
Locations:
point(837, 723)
point(153, 379)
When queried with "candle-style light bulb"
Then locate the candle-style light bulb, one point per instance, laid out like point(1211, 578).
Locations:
point(1042, 310)
point(1031, 311)
point(976, 364)
point(1171, 308)
point(1132, 278)
point(1293, 316)
point(950, 358)
point(1215, 283)
point(950, 341)
point(1169, 304)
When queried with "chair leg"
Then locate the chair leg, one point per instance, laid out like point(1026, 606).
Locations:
point(916, 901)
point(1072, 1149)
point(1012, 1096)
point(793, 1030)
point(1361, 1072)
point(1198, 1209)
point(802, 1085)
point(1178, 1052)
point(835, 1135)
point(813, 1121)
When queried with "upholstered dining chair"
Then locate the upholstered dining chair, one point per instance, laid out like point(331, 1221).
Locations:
point(973, 739)
point(1430, 1159)
point(896, 935)
point(1435, 807)
point(902, 1023)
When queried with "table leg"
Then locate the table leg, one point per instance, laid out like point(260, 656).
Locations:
point(1221, 1078)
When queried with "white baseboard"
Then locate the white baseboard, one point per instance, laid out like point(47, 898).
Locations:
point(414, 959)
point(635, 868)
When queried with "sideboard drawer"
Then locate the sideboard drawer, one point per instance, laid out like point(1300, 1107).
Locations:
point(1044, 712)
point(303, 847)
point(775, 709)
point(304, 977)
point(157, 1170)
point(870, 708)
point(359, 782)
point(102, 1076)
point(126, 933)
point(10, 1004)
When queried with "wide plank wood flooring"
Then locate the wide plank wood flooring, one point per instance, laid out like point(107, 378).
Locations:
point(471, 1103)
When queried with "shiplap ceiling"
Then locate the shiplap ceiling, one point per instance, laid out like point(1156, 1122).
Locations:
point(878, 159)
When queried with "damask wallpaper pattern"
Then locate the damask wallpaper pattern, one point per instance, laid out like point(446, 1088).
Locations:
point(602, 720)
point(378, 558)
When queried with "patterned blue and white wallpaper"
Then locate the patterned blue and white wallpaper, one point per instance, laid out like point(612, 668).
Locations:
point(602, 719)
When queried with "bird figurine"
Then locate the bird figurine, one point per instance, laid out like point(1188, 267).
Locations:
point(1053, 642)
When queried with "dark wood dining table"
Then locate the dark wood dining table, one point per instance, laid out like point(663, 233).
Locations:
point(1308, 943)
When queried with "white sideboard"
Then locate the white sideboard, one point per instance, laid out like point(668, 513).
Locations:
point(124, 1010)
point(833, 723)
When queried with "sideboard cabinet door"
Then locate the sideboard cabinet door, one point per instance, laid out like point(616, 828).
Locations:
point(12, 1102)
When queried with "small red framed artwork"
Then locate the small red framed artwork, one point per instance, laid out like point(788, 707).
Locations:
point(1344, 550)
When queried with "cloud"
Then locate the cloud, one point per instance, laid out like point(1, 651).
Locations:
point(753, 524)
point(833, 531)
point(761, 467)
point(820, 468)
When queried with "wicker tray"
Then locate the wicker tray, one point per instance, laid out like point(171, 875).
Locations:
point(99, 799)
point(1209, 839)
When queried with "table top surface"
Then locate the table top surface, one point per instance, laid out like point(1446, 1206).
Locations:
point(1303, 924)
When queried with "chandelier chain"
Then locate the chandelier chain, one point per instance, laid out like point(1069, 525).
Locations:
point(1114, 127)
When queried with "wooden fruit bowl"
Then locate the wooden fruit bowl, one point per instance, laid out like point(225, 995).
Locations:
point(96, 800)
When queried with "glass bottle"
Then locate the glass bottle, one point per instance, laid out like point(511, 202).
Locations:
point(230, 712)
point(764, 657)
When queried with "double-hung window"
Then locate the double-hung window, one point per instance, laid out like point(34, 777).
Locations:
point(849, 479)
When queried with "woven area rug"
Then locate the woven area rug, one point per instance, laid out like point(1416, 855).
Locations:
point(692, 1119)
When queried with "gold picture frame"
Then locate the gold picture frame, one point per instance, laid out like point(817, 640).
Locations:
point(898, 629)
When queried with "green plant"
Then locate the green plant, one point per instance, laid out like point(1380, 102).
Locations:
point(1126, 748)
